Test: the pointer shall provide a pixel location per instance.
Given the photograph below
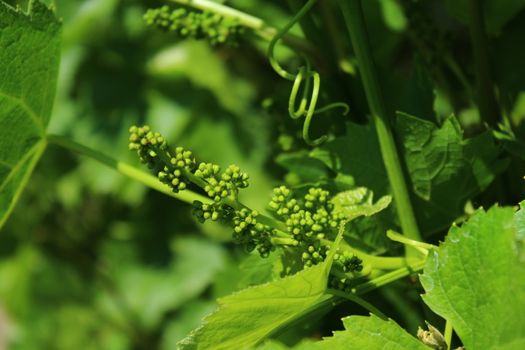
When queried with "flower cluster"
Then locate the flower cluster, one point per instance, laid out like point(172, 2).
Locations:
point(179, 168)
point(252, 234)
point(213, 27)
point(214, 212)
point(310, 220)
point(308, 223)
point(170, 167)
point(219, 185)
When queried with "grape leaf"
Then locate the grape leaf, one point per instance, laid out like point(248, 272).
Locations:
point(445, 170)
point(245, 318)
point(184, 321)
point(359, 202)
point(29, 59)
point(432, 155)
point(361, 332)
point(258, 271)
point(476, 280)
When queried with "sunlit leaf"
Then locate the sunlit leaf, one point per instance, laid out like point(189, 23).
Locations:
point(245, 318)
point(476, 280)
point(29, 56)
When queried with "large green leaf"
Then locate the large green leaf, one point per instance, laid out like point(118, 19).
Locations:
point(432, 155)
point(476, 280)
point(445, 170)
point(245, 318)
point(371, 333)
point(361, 332)
point(29, 58)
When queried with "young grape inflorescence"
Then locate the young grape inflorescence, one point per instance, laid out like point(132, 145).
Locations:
point(198, 25)
point(304, 224)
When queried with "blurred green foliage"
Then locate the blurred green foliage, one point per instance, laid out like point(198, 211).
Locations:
point(92, 260)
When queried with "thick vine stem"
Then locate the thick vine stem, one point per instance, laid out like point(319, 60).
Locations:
point(354, 18)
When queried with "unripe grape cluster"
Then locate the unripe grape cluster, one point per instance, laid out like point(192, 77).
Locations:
point(147, 144)
point(308, 223)
point(177, 168)
point(185, 23)
point(214, 212)
point(310, 220)
point(219, 185)
point(348, 262)
point(170, 167)
point(252, 234)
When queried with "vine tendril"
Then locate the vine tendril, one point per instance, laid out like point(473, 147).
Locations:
point(305, 76)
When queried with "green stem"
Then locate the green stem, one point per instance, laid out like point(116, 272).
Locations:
point(448, 334)
point(354, 18)
point(359, 301)
point(126, 169)
point(488, 106)
point(259, 26)
point(283, 241)
point(307, 24)
point(280, 34)
point(422, 247)
point(388, 278)
point(225, 11)
point(378, 262)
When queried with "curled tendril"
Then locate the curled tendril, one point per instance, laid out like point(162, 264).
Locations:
point(305, 76)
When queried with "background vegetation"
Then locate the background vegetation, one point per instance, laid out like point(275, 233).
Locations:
point(92, 260)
